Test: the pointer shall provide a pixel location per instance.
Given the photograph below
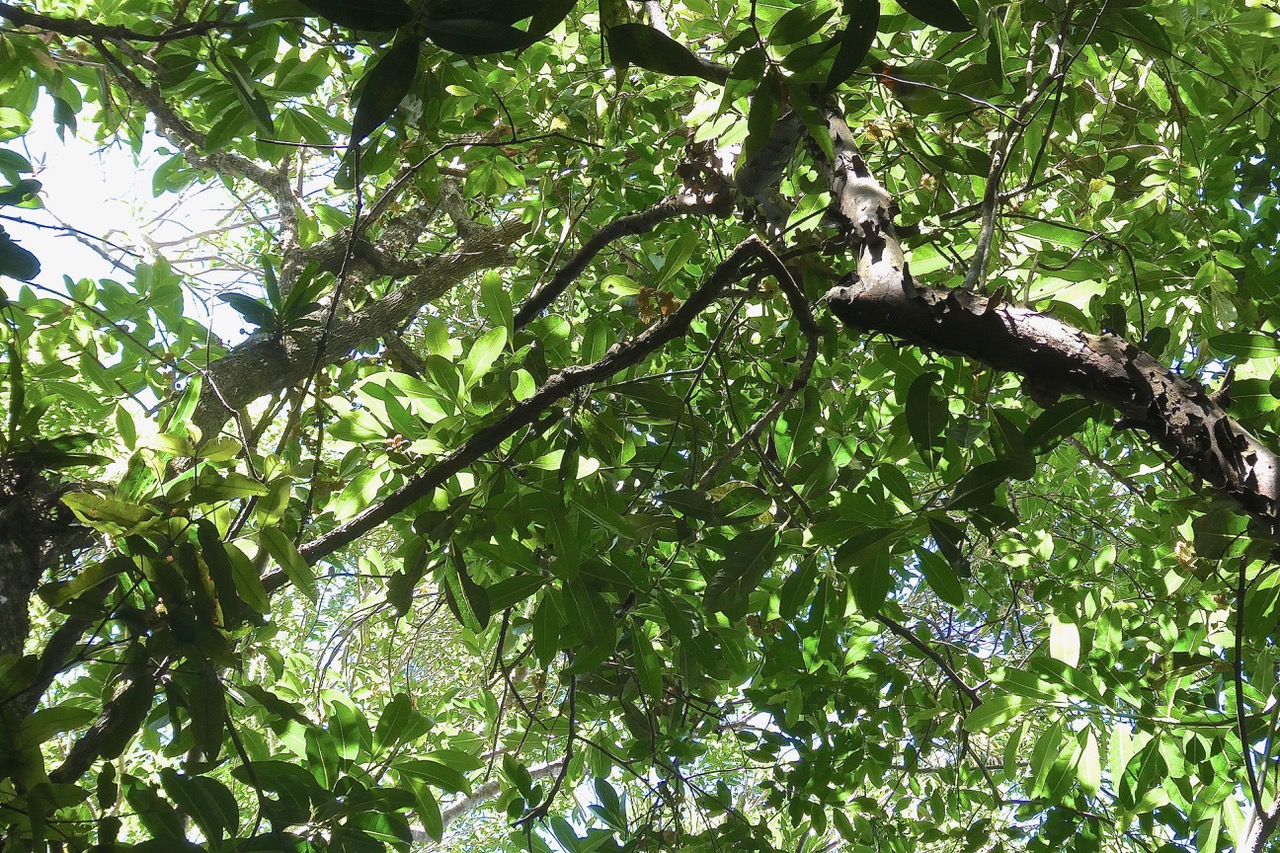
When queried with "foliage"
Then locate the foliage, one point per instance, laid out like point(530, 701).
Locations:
point(536, 488)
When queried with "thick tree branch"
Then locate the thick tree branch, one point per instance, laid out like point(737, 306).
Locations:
point(1055, 358)
point(259, 367)
point(1061, 359)
point(80, 28)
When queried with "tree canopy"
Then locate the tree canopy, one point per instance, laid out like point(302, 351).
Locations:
point(690, 425)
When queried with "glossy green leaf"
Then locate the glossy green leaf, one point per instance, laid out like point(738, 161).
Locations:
point(732, 580)
point(207, 801)
point(856, 38)
point(941, 576)
point(926, 413)
point(384, 87)
point(995, 712)
point(286, 555)
point(400, 723)
point(943, 14)
point(637, 44)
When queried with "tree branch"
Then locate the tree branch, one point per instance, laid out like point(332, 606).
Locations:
point(1060, 359)
point(717, 204)
point(932, 654)
point(566, 382)
point(80, 28)
point(260, 367)
point(192, 144)
point(1055, 358)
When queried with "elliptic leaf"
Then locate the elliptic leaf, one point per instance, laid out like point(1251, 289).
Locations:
point(752, 554)
point(295, 568)
point(996, 711)
point(206, 800)
point(855, 40)
point(384, 87)
point(943, 14)
point(15, 261)
point(255, 311)
point(941, 576)
point(475, 36)
point(637, 44)
point(926, 414)
point(872, 581)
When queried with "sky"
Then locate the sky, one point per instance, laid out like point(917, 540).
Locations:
point(106, 194)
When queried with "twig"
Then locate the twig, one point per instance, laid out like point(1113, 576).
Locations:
point(971, 693)
point(562, 384)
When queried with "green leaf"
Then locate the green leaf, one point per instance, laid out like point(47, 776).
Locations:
point(496, 300)
point(766, 106)
point(1089, 763)
point(443, 776)
point(732, 580)
point(943, 14)
point(248, 583)
point(254, 311)
point(995, 711)
point(798, 587)
point(15, 261)
point(240, 78)
point(1246, 344)
point(93, 575)
point(475, 36)
point(400, 723)
point(977, 488)
point(23, 191)
point(427, 808)
point(45, 723)
point(512, 591)
point(739, 502)
point(105, 512)
point(1058, 422)
point(866, 544)
point(927, 414)
point(1064, 641)
point(691, 503)
point(348, 726)
point(221, 571)
point(484, 352)
point(383, 87)
point(637, 44)
point(940, 576)
point(463, 595)
point(855, 40)
point(872, 580)
point(281, 549)
point(207, 801)
point(322, 757)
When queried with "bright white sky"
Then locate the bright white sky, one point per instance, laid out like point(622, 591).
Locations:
point(106, 193)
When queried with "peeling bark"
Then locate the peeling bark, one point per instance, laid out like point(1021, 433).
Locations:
point(1060, 359)
point(1055, 357)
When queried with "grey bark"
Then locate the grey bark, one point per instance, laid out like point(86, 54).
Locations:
point(262, 366)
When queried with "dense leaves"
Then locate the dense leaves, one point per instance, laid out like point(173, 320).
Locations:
point(525, 487)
